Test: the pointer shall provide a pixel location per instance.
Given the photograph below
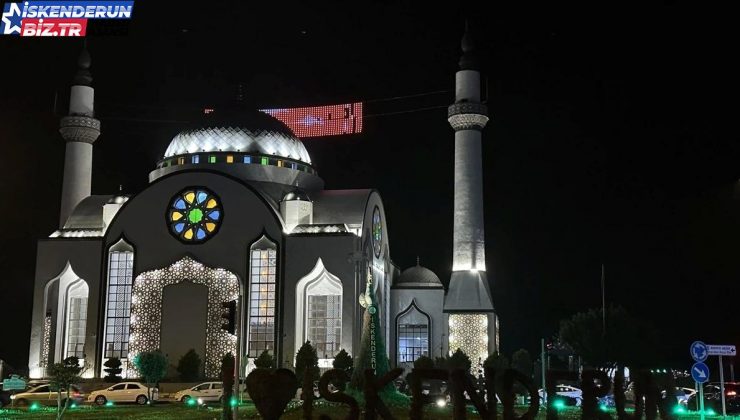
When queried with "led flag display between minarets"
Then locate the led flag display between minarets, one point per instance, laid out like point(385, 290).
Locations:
point(319, 121)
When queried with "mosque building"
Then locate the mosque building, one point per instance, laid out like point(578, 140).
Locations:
point(236, 222)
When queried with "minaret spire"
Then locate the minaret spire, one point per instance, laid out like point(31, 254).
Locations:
point(80, 130)
point(468, 300)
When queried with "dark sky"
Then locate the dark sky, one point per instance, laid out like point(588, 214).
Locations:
point(606, 143)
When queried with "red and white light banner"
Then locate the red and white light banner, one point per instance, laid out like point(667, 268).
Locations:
point(319, 121)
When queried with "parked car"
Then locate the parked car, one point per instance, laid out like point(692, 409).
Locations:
point(46, 395)
point(570, 394)
point(713, 398)
point(123, 392)
point(207, 391)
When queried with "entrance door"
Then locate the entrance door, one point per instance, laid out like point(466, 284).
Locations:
point(184, 316)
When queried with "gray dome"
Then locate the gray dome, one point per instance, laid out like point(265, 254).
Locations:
point(296, 195)
point(245, 132)
point(418, 276)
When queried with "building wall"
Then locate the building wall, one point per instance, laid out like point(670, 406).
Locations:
point(54, 258)
point(302, 253)
point(246, 218)
point(430, 301)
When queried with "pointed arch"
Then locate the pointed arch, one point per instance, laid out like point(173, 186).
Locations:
point(319, 311)
point(413, 334)
point(146, 309)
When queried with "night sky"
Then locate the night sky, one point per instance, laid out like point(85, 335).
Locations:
point(606, 143)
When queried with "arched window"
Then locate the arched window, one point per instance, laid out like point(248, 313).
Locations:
point(262, 294)
point(319, 311)
point(413, 330)
point(76, 319)
point(118, 302)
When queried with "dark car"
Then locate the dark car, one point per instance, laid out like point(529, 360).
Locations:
point(713, 398)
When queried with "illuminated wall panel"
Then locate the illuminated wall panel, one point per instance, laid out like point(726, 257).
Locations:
point(317, 121)
point(469, 333)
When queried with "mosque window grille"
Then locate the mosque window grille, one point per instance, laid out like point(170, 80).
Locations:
point(324, 323)
point(76, 323)
point(262, 298)
point(118, 312)
point(413, 341)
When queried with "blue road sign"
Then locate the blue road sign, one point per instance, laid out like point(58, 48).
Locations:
point(700, 372)
point(699, 351)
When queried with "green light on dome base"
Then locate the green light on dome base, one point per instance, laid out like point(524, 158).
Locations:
point(109, 404)
point(233, 402)
point(559, 404)
point(34, 407)
point(679, 410)
point(710, 412)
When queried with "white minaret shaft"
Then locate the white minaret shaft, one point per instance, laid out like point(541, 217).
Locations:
point(80, 130)
point(468, 289)
point(467, 116)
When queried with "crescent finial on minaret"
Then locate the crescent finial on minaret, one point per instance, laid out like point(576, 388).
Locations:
point(468, 60)
point(83, 77)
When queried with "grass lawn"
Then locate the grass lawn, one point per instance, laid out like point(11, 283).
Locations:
point(246, 411)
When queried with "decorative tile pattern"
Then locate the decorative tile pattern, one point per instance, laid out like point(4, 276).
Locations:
point(469, 333)
point(146, 309)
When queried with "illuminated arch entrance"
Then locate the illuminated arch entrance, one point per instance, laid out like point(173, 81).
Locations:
point(146, 309)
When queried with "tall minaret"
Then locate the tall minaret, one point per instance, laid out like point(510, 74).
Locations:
point(473, 326)
point(80, 130)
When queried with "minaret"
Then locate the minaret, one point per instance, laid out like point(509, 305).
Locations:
point(472, 322)
point(80, 130)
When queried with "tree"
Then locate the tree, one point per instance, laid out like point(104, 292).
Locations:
point(62, 375)
point(343, 361)
point(424, 362)
point(459, 360)
point(307, 371)
point(265, 360)
point(152, 365)
point(189, 366)
point(113, 370)
point(621, 343)
point(522, 362)
point(497, 362)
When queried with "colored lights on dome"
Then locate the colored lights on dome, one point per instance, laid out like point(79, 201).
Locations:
point(194, 215)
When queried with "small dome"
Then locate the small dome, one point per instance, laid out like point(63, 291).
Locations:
point(239, 130)
point(296, 195)
point(418, 276)
point(118, 199)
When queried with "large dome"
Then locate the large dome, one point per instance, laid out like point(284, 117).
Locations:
point(239, 131)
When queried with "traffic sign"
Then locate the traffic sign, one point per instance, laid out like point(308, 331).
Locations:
point(700, 372)
point(14, 383)
point(721, 350)
point(699, 351)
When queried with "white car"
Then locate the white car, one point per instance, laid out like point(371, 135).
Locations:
point(207, 391)
point(123, 392)
point(567, 391)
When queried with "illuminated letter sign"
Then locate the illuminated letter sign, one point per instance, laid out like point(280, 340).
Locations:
point(317, 121)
